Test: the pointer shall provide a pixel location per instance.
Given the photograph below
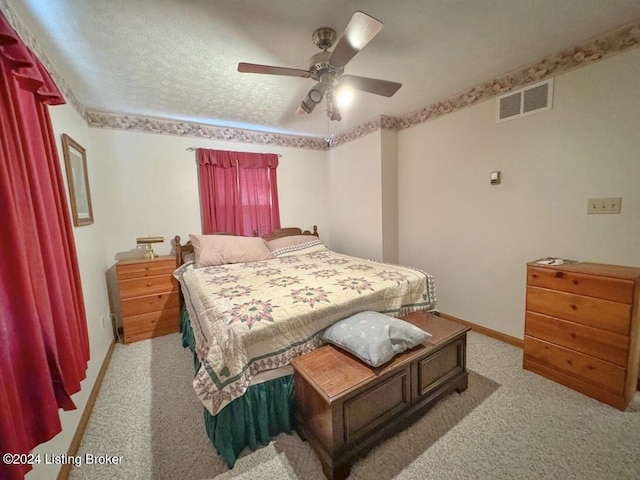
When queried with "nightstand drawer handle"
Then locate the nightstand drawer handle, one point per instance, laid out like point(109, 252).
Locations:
point(573, 306)
point(559, 274)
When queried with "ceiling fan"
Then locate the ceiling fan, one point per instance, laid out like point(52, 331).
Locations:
point(327, 67)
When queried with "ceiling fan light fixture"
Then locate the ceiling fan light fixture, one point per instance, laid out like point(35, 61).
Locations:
point(344, 97)
point(327, 67)
point(315, 95)
point(309, 102)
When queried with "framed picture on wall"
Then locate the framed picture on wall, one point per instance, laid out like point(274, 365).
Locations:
point(75, 160)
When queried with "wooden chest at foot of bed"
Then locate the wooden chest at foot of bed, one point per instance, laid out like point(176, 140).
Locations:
point(149, 298)
point(345, 407)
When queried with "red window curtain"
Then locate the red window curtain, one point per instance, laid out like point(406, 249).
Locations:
point(238, 192)
point(44, 346)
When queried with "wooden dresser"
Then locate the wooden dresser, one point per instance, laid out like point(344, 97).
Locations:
point(149, 298)
point(344, 407)
point(582, 328)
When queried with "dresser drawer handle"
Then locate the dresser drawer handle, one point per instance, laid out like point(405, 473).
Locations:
point(559, 274)
point(575, 282)
point(149, 284)
point(573, 306)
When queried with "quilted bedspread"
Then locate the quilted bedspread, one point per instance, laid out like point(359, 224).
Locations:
point(251, 317)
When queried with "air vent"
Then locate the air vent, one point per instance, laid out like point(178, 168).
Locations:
point(527, 100)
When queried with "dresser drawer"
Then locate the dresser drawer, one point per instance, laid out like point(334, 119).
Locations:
point(602, 344)
point(149, 303)
point(136, 287)
point(148, 268)
point(603, 374)
point(149, 325)
point(608, 288)
point(593, 312)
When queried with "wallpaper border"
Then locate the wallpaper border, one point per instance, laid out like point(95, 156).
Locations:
point(163, 126)
point(598, 48)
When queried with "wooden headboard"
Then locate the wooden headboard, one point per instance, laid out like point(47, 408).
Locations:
point(287, 232)
point(182, 250)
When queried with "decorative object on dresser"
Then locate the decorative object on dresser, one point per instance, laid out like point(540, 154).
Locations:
point(149, 298)
point(345, 407)
point(149, 241)
point(582, 327)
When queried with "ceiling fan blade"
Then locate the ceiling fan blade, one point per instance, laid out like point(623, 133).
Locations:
point(359, 32)
point(371, 85)
point(271, 70)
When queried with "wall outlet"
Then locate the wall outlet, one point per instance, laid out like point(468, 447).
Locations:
point(604, 205)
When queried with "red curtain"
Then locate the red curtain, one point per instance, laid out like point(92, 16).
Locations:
point(238, 192)
point(44, 346)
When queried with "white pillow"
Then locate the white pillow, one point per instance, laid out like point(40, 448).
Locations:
point(375, 338)
point(211, 250)
point(295, 245)
point(289, 241)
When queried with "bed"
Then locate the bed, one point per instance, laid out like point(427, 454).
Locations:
point(244, 321)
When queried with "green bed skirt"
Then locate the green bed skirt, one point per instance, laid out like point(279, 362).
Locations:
point(265, 410)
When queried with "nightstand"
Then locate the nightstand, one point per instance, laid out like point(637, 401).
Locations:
point(149, 297)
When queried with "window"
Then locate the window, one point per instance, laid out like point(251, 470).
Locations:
point(238, 192)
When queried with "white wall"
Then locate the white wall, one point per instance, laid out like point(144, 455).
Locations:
point(356, 197)
point(92, 264)
point(476, 238)
point(389, 185)
point(154, 190)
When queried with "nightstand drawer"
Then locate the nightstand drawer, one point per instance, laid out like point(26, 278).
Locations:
point(608, 346)
point(608, 288)
point(149, 325)
point(590, 369)
point(149, 303)
point(136, 287)
point(146, 268)
point(593, 312)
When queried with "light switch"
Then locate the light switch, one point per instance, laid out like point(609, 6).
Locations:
point(495, 177)
point(604, 205)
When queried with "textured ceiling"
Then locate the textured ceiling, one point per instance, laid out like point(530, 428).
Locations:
point(177, 59)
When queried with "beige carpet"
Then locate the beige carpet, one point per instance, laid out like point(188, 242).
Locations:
point(509, 424)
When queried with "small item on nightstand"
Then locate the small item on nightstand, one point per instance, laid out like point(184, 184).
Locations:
point(551, 261)
point(554, 261)
point(148, 241)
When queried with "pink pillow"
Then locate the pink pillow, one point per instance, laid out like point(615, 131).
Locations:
point(214, 250)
